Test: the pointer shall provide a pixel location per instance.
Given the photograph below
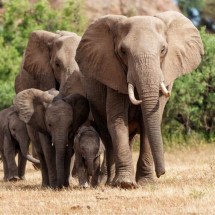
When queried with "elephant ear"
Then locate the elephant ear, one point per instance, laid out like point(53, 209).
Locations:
point(37, 58)
point(101, 148)
point(81, 109)
point(185, 47)
point(31, 105)
point(96, 55)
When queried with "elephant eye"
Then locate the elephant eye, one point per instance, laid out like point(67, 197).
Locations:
point(49, 125)
point(123, 51)
point(57, 64)
point(163, 51)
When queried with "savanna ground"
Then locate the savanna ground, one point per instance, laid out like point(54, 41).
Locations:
point(188, 187)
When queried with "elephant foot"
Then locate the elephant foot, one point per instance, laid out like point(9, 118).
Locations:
point(14, 179)
point(102, 179)
point(5, 178)
point(84, 185)
point(22, 177)
point(125, 182)
point(145, 181)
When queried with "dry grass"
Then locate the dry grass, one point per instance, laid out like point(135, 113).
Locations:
point(187, 188)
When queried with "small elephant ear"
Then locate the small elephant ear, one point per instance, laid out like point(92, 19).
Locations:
point(101, 148)
point(81, 109)
point(31, 103)
point(185, 47)
point(96, 55)
point(37, 57)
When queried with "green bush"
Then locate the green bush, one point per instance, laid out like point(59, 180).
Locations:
point(19, 19)
point(190, 111)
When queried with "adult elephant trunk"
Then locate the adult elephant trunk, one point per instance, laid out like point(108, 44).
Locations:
point(146, 76)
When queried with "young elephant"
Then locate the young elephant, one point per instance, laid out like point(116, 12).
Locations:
point(88, 148)
point(14, 139)
point(57, 120)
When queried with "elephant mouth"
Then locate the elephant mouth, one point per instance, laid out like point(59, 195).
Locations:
point(57, 85)
point(163, 91)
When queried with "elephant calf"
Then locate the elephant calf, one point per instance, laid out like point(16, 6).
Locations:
point(88, 148)
point(14, 139)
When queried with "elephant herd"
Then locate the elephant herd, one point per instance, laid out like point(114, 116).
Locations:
point(91, 95)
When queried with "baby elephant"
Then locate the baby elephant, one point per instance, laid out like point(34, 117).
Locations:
point(88, 148)
point(14, 139)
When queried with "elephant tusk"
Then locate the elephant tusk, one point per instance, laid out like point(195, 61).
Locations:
point(166, 92)
point(132, 96)
point(32, 159)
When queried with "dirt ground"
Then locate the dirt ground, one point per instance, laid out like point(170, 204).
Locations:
point(188, 187)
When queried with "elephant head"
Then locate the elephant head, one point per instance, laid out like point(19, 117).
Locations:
point(48, 60)
point(16, 129)
point(140, 56)
point(57, 118)
point(89, 146)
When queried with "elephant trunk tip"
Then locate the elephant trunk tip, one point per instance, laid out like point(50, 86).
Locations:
point(32, 159)
point(160, 173)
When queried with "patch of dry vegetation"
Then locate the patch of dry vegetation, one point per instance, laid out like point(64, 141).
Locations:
point(187, 188)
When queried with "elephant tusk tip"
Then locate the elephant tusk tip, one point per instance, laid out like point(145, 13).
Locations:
point(164, 90)
point(168, 94)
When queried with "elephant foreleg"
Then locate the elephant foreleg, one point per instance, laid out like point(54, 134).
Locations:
point(5, 167)
point(144, 173)
point(10, 154)
point(21, 165)
point(117, 120)
point(96, 95)
point(49, 158)
point(34, 136)
point(67, 164)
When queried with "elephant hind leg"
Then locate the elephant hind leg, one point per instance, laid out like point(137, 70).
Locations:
point(44, 170)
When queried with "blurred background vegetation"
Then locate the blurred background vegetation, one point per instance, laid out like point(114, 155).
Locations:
point(190, 112)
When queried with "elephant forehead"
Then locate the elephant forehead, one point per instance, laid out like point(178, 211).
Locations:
point(59, 108)
point(67, 42)
point(144, 23)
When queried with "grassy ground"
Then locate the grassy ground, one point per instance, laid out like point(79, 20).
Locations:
point(188, 187)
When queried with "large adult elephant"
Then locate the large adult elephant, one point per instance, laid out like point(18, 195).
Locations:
point(57, 121)
point(137, 58)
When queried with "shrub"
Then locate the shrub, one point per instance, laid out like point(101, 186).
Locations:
point(191, 108)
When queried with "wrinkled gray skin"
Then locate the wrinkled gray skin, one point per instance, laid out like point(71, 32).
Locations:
point(48, 62)
point(14, 139)
point(88, 147)
point(144, 51)
point(56, 121)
